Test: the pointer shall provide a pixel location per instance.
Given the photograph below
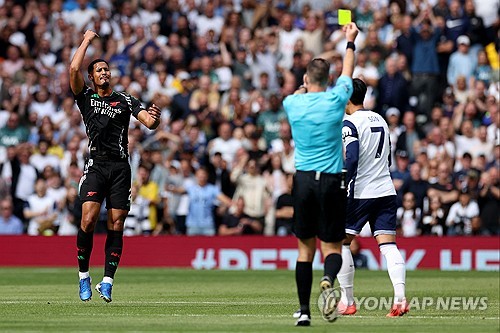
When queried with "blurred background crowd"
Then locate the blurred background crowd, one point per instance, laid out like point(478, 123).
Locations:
point(222, 160)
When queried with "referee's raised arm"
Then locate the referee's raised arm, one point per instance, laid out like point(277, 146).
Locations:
point(351, 31)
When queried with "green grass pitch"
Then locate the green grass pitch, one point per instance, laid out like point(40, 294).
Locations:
point(175, 300)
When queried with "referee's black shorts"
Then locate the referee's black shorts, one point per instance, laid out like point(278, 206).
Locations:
point(319, 206)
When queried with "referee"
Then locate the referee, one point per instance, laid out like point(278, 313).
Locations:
point(106, 114)
point(319, 199)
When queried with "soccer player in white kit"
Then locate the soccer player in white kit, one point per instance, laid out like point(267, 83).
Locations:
point(371, 198)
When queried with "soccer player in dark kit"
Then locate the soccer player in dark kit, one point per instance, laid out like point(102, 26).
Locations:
point(106, 114)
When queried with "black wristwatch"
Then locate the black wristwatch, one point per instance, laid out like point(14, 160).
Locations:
point(351, 45)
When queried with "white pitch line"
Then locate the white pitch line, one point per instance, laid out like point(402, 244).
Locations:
point(149, 302)
point(410, 316)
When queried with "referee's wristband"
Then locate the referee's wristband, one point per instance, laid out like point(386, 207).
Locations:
point(351, 45)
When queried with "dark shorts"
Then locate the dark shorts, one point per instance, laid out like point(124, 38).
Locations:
point(379, 212)
point(110, 180)
point(319, 206)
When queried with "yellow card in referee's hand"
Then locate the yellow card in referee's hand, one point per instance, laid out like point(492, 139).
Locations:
point(344, 16)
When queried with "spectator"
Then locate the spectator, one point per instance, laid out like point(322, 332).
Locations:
point(438, 146)
point(425, 66)
point(225, 144)
point(284, 210)
point(457, 22)
point(408, 217)
point(235, 222)
point(205, 96)
point(443, 188)
point(41, 211)
point(415, 185)
point(251, 186)
point(436, 115)
point(441, 8)
point(9, 223)
point(484, 147)
point(410, 135)
point(392, 117)
point(366, 70)
point(467, 141)
point(180, 102)
point(175, 205)
point(313, 33)
point(483, 71)
point(262, 60)
point(255, 152)
point(209, 21)
point(463, 218)
point(219, 175)
point(404, 43)
point(71, 215)
point(460, 176)
point(433, 220)
point(241, 68)
point(13, 133)
point(475, 28)
point(14, 61)
point(488, 201)
point(392, 88)
point(42, 158)
point(462, 62)
point(21, 176)
point(202, 200)
point(288, 36)
point(147, 197)
point(269, 121)
point(401, 172)
point(275, 177)
point(81, 16)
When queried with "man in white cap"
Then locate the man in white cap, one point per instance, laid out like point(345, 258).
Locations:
point(462, 61)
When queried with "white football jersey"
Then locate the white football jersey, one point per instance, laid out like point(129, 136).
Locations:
point(370, 177)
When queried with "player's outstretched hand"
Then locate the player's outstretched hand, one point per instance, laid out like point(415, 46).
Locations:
point(351, 31)
point(154, 112)
point(89, 35)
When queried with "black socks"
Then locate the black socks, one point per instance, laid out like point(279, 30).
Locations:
point(333, 263)
point(303, 278)
point(84, 244)
point(113, 250)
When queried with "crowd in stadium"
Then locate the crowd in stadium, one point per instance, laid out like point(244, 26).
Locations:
point(219, 70)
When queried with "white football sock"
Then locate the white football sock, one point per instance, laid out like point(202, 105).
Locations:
point(83, 275)
point(396, 269)
point(346, 276)
point(107, 279)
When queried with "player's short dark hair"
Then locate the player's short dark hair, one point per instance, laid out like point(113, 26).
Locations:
point(318, 71)
point(358, 92)
point(90, 68)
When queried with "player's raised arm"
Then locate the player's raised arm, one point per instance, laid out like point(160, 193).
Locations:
point(150, 117)
point(76, 80)
point(351, 31)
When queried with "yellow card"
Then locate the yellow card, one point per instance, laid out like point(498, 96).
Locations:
point(344, 16)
